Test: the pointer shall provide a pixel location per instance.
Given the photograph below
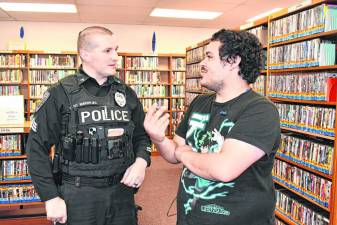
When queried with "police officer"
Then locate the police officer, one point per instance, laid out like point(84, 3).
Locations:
point(101, 149)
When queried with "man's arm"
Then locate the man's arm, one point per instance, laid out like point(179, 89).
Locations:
point(155, 124)
point(233, 159)
point(255, 134)
point(43, 134)
point(135, 174)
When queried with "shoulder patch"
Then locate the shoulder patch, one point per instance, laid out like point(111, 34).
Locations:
point(33, 125)
point(45, 97)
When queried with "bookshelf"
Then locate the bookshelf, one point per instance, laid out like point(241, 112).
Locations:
point(17, 191)
point(30, 73)
point(45, 69)
point(301, 67)
point(194, 55)
point(158, 79)
point(260, 29)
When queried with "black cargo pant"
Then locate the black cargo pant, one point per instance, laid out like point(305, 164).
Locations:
point(110, 205)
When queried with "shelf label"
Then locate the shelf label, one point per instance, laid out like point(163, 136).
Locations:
point(299, 6)
point(7, 130)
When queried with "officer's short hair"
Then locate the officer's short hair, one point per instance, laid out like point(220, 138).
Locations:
point(83, 40)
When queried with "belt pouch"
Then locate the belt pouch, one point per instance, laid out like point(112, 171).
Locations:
point(86, 150)
point(94, 150)
point(68, 146)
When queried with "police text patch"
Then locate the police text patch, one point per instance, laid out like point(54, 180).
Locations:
point(98, 114)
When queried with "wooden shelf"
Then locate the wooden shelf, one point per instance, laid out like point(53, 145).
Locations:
point(139, 83)
point(13, 84)
point(324, 103)
point(12, 67)
point(13, 157)
point(52, 68)
point(302, 196)
point(150, 70)
point(10, 129)
point(314, 68)
point(284, 218)
point(297, 8)
point(154, 97)
point(194, 62)
point(327, 176)
point(15, 181)
point(193, 77)
point(318, 35)
point(308, 133)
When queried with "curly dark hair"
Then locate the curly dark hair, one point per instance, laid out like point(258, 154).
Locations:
point(242, 44)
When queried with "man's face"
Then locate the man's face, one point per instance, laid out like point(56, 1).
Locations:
point(213, 70)
point(102, 57)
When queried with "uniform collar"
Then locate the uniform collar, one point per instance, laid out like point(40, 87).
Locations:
point(83, 77)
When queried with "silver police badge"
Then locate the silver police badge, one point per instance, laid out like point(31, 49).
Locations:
point(120, 99)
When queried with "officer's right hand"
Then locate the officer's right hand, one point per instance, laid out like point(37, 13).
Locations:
point(56, 210)
point(155, 123)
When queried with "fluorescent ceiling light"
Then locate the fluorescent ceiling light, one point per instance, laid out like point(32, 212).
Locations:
point(188, 14)
point(38, 7)
point(263, 14)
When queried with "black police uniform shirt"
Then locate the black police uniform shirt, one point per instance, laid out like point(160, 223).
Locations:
point(46, 128)
point(249, 199)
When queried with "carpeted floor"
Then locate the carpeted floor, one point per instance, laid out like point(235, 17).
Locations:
point(157, 193)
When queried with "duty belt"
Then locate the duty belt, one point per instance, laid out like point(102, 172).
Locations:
point(92, 181)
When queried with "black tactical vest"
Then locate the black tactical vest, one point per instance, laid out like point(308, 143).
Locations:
point(97, 141)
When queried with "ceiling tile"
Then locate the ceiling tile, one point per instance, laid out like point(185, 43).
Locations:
point(3, 14)
point(42, 1)
point(129, 3)
point(48, 17)
point(216, 5)
point(6, 19)
point(235, 12)
point(113, 14)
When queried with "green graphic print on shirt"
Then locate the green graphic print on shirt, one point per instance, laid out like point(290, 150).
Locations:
point(205, 141)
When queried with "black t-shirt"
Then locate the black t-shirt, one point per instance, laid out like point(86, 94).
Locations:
point(249, 199)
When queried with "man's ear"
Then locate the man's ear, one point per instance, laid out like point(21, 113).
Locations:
point(235, 63)
point(84, 54)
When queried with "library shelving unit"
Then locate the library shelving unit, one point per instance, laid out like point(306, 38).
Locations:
point(194, 55)
point(45, 69)
point(160, 79)
point(260, 29)
point(301, 83)
point(121, 66)
point(18, 197)
point(27, 73)
point(14, 74)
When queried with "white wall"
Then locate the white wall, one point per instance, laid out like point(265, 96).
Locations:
point(49, 36)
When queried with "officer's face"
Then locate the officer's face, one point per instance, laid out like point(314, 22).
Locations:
point(102, 57)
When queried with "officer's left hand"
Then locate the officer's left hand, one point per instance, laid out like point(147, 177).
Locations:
point(135, 174)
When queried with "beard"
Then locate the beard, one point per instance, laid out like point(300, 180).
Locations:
point(215, 86)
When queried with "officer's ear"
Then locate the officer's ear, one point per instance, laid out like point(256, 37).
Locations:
point(83, 54)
